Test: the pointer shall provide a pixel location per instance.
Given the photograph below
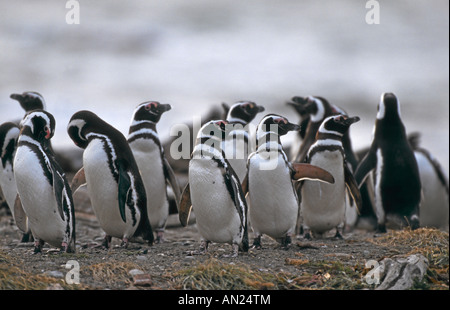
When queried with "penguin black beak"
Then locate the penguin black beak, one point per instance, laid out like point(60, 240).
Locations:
point(17, 97)
point(261, 109)
point(164, 107)
point(351, 120)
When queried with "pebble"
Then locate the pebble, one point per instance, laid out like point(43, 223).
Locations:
point(134, 272)
point(54, 274)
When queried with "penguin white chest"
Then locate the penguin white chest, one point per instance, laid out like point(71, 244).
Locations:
point(323, 204)
point(274, 205)
point(148, 158)
point(215, 212)
point(8, 185)
point(37, 197)
point(103, 192)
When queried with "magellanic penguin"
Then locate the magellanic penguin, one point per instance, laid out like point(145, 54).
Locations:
point(30, 100)
point(214, 192)
point(323, 206)
point(113, 180)
point(237, 144)
point(155, 170)
point(42, 186)
point(313, 110)
point(434, 206)
point(9, 134)
point(396, 174)
point(274, 203)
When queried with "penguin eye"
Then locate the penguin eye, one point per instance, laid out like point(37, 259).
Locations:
point(148, 107)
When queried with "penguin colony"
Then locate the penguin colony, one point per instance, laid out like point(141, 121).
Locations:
point(233, 186)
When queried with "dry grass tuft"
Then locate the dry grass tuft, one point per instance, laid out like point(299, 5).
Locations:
point(431, 243)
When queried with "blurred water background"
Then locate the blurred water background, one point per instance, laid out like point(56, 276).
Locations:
point(196, 54)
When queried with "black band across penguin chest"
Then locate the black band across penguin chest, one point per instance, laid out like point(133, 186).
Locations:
point(42, 158)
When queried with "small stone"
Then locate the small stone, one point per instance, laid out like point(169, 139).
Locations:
point(143, 279)
point(134, 272)
point(54, 274)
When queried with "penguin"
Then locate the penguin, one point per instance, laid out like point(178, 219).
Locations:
point(30, 100)
point(156, 171)
point(237, 144)
point(323, 206)
point(9, 133)
point(214, 192)
point(313, 110)
point(42, 186)
point(434, 206)
point(274, 202)
point(394, 166)
point(113, 181)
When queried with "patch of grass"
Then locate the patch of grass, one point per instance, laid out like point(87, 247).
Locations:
point(216, 275)
point(13, 277)
point(111, 273)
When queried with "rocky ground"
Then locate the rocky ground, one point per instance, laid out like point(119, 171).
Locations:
point(325, 263)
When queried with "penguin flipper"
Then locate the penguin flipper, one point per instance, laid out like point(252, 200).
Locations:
point(172, 181)
point(78, 180)
point(185, 206)
point(19, 215)
point(58, 187)
point(124, 189)
point(302, 171)
point(353, 188)
point(365, 166)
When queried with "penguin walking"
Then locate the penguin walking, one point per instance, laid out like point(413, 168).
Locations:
point(155, 170)
point(42, 186)
point(214, 192)
point(274, 202)
point(237, 144)
point(113, 181)
point(396, 174)
point(323, 206)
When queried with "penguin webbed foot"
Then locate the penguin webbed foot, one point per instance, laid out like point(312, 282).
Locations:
point(257, 243)
point(381, 229)
point(106, 242)
point(124, 243)
point(286, 242)
point(160, 237)
point(307, 234)
point(38, 244)
point(338, 235)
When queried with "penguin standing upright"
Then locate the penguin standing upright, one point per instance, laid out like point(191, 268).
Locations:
point(237, 144)
point(9, 133)
point(323, 206)
point(42, 186)
point(113, 180)
point(313, 110)
point(214, 192)
point(396, 174)
point(274, 203)
point(155, 169)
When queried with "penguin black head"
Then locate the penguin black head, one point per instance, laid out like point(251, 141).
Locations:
point(9, 132)
point(389, 107)
point(276, 124)
point(243, 112)
point(80, 124)
point(39, 125)
point(336, 125)
point(213, 129)
point(150, 111)
point(30, 100)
